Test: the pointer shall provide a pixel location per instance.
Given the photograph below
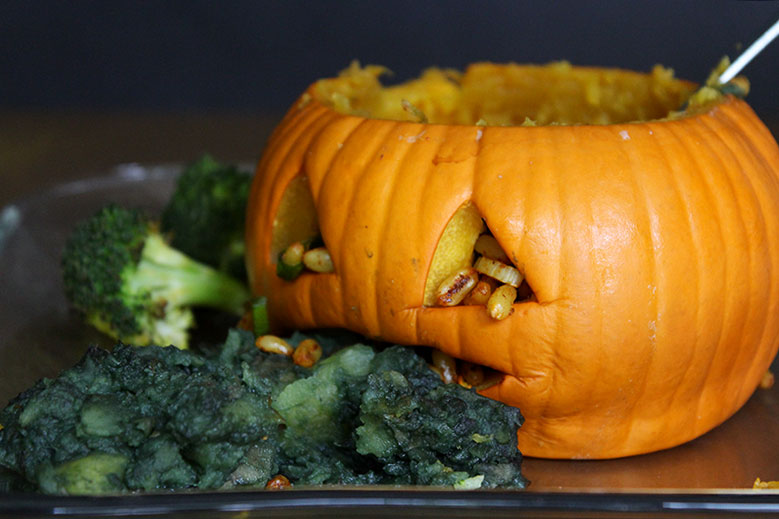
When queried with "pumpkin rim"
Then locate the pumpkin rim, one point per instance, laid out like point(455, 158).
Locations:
point(724, 100)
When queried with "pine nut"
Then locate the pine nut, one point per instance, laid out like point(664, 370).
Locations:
point(318, 260)
point(307, 353)
point(479, 295)
point(293, 254)
point(500, 303)
point(453, 289)
point(500, 271)
point(278, 482)
point(273, 344)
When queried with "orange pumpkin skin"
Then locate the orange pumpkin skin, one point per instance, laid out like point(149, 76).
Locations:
point(652, 248)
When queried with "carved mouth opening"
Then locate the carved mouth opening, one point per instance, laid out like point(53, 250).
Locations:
point(470, 267)
point(456, 371)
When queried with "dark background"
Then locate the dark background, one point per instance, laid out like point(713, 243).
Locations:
point(257, 56)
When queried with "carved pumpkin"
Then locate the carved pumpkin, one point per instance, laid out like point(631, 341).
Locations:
point(650, 243)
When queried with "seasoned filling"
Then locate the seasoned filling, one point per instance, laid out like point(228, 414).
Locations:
point(509, 95)
point(299, 256)
point(466, 374)
point(490, 281)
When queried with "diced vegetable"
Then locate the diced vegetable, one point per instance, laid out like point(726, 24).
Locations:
point(500, 271)
point(454, 288)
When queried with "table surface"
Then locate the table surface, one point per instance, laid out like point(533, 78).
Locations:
point(40, 150)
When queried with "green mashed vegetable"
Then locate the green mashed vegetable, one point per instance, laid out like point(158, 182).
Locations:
point(145, 419)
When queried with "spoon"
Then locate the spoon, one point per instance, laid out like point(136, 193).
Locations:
point(752, 51)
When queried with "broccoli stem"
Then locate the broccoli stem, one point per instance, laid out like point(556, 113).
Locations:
point(178, 280)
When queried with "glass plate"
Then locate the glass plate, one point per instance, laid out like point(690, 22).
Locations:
point(39, 336)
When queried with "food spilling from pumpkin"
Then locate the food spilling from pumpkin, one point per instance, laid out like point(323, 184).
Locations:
point(605, 241)
point(489, 281)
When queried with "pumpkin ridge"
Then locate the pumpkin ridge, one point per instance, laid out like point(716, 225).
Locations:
point(744, 318)
point(288, 139)
point(754, 313)
point(352, 123)
point(313, 121)
point(537, 206)
point(379, 300)
point(665, 292)
point(314, 135)
point(325, 174)
point(643, 208)
point(724, 154)
point(428, 263)
point(741, 115)
point(600, 357)
point(773, 179)
point(282, 138)
point(701, 184)
point(563, 245)
point(368, 150)
point(715, 202)
point(289, 146)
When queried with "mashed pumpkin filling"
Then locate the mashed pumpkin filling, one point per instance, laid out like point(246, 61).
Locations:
point(509, 95)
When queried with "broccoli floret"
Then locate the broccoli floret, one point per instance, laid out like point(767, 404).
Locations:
point(131, 284)
point(206, 214)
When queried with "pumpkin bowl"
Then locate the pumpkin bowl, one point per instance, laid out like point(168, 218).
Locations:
point(647, 239)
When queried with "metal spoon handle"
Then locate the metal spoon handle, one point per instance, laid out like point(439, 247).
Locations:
point(750, 53)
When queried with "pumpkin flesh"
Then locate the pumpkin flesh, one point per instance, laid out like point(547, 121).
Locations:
point(651, 242)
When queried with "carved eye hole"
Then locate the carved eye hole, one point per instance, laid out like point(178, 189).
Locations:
point(296, 218)
point(296, 243)
point(469, 267)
